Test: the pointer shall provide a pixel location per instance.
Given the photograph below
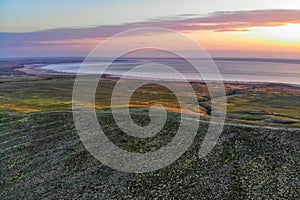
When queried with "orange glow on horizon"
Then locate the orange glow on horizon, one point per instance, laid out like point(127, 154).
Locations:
point(272, 39)
point(259, 39)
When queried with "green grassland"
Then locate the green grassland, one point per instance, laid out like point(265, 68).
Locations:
point(263, 104)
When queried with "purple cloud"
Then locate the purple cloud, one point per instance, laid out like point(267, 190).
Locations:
point(217, 21)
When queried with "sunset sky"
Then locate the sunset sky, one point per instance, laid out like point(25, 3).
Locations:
point(226, 28)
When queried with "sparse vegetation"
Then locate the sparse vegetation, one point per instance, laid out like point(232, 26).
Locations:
point(42, 157)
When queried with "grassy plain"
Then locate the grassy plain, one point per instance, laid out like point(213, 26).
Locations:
point(255, 103)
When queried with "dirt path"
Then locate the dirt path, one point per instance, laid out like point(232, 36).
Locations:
point(189, 118)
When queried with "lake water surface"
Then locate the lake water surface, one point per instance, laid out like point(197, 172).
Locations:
point(231, 70)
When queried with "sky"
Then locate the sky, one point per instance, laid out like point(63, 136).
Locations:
point(225, 28)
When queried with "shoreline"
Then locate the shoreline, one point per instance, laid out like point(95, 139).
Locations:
point(36, 70)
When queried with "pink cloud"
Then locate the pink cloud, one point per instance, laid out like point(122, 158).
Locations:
point(217, 21)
